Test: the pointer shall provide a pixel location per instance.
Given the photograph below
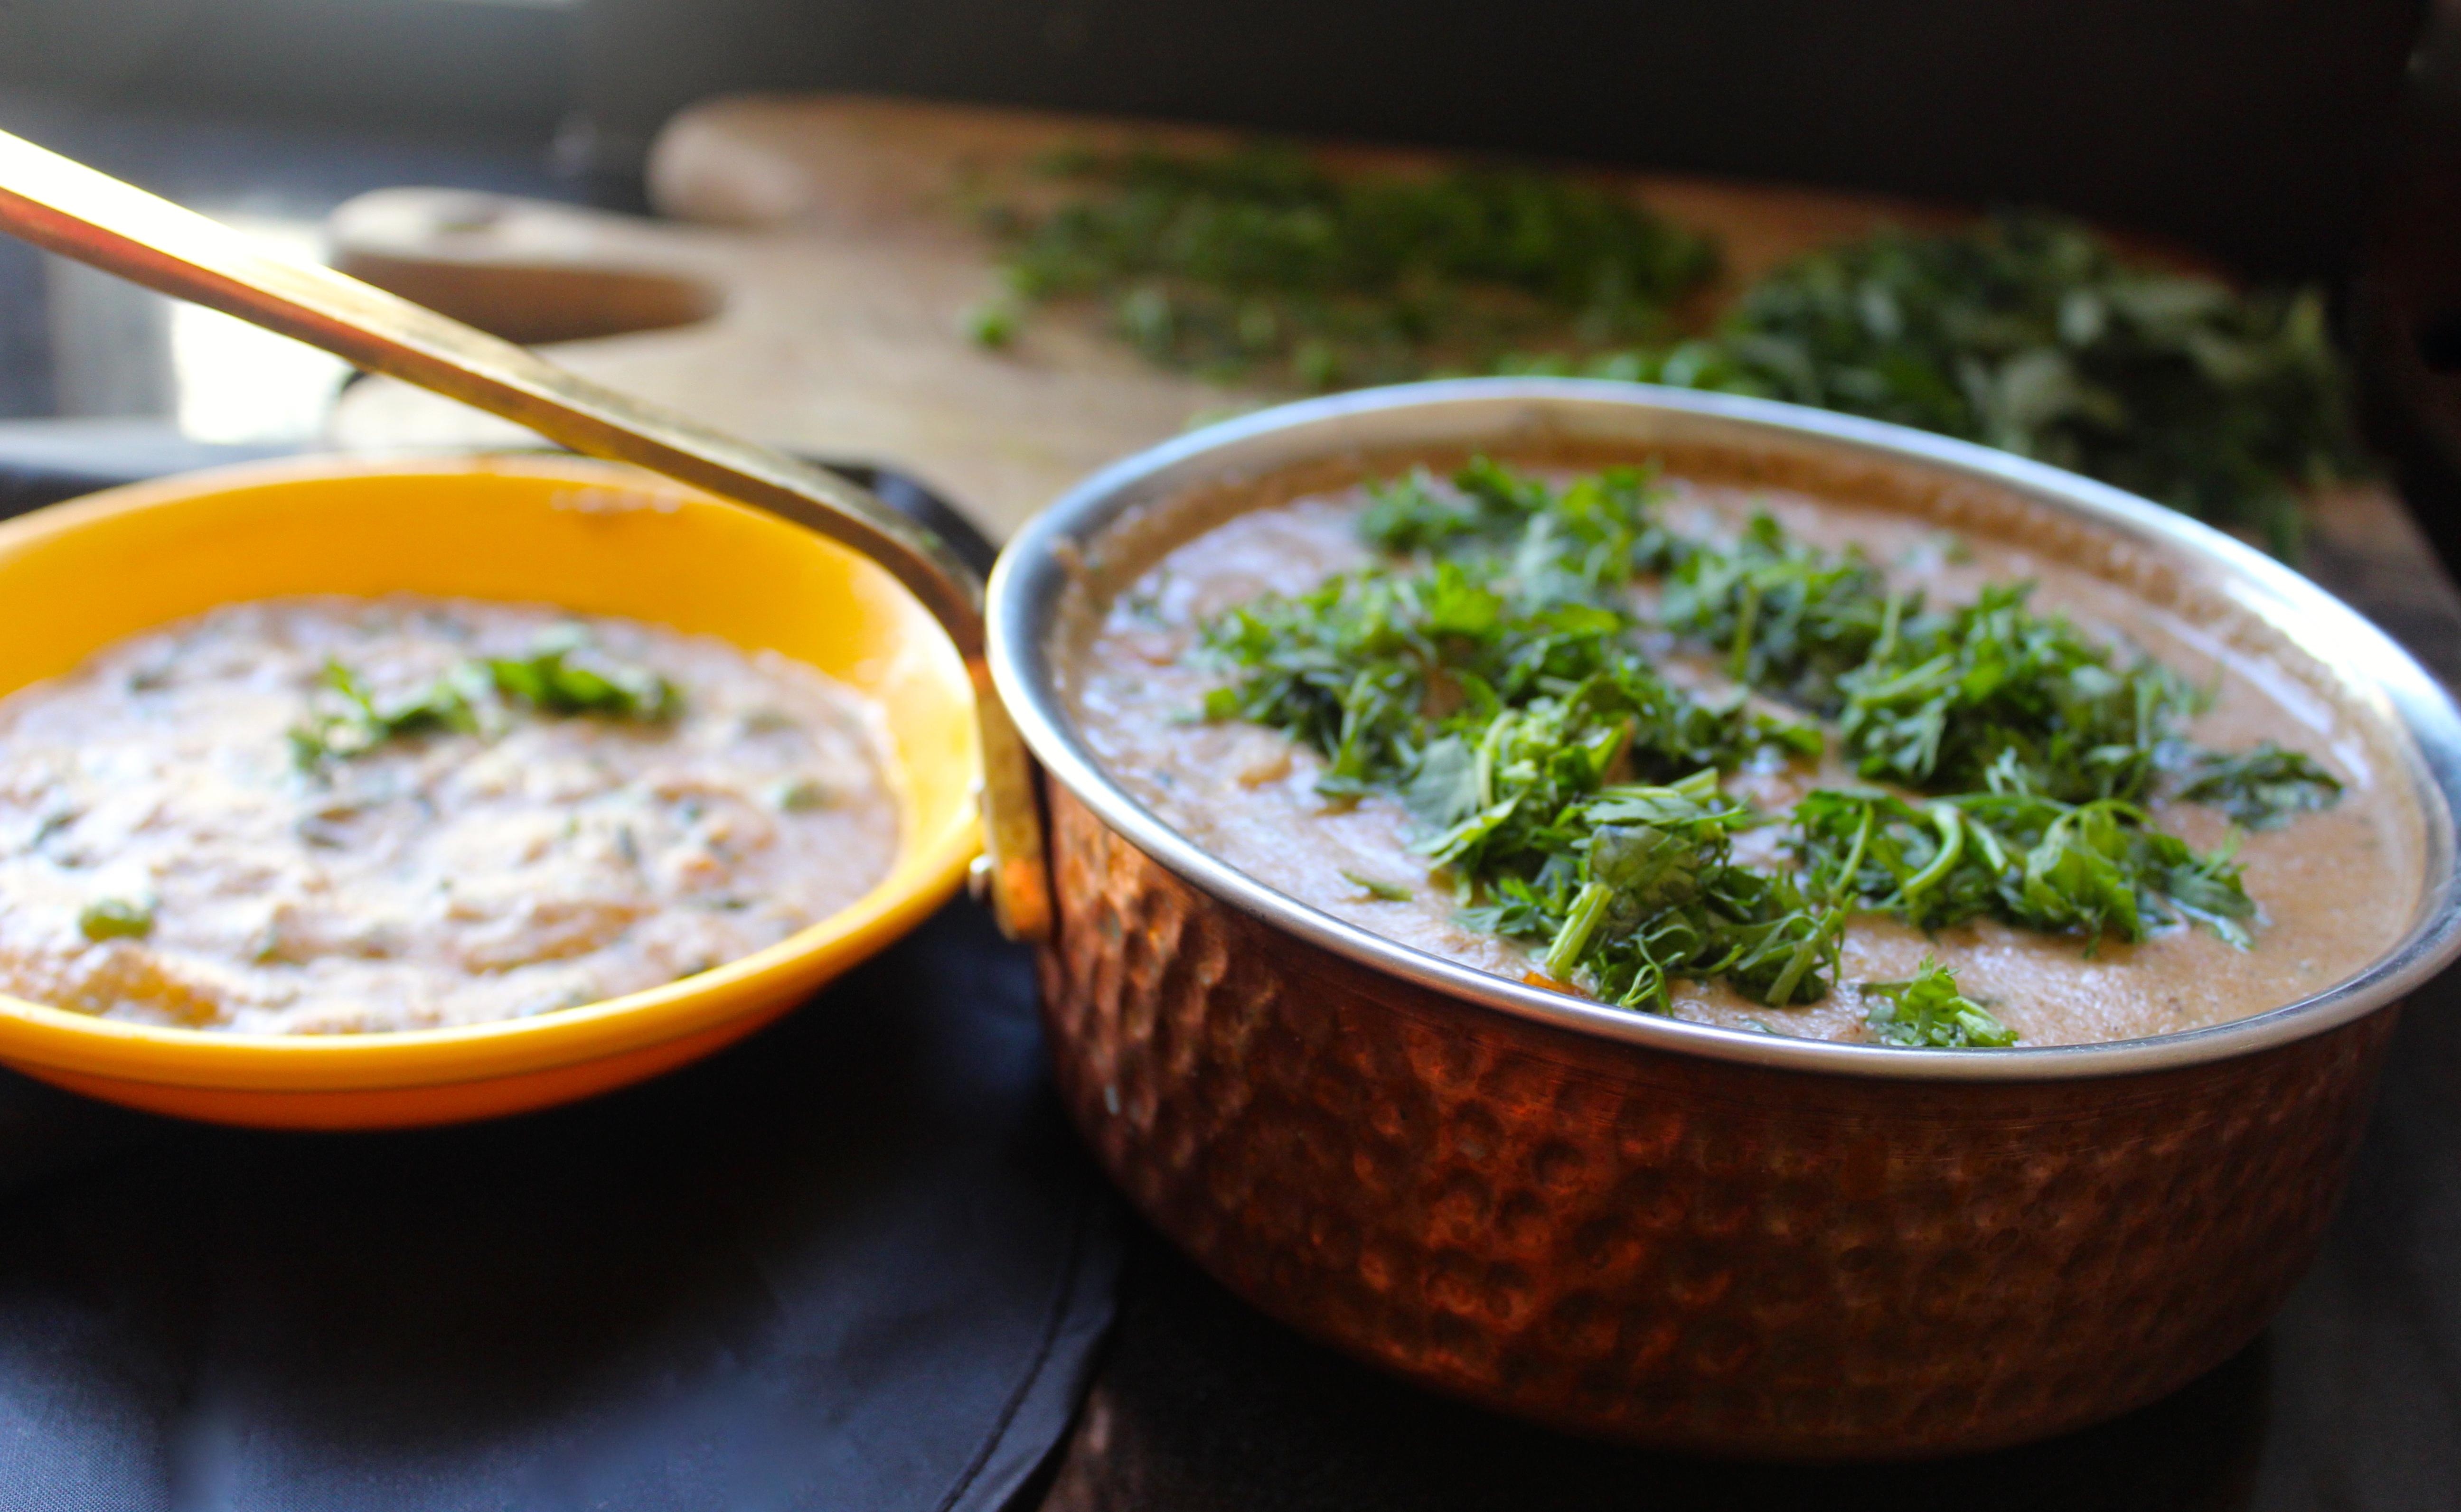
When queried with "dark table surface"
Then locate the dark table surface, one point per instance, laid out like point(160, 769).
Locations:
point(855, 1261)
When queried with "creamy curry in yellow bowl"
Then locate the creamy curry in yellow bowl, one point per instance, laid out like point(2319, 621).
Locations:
point(337, 795)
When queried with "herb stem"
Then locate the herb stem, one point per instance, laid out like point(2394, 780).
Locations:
point(1806, 954)
point(1890, 614)
point(1746, 621)
point(1574, 938)
point(1487, 749)
point(1992, 849)
point(1838, 889)
point(1952, 847)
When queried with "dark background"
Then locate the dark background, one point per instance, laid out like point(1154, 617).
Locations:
point(2254, 129)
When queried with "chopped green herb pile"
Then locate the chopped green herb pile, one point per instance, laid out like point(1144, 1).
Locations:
point(1789, 618)
point(564, 675)
point(2261, 789)
point(116, 919)
point(352, 723)
point(1259, 261)
point(2092, 869)
point(1925, 1012)
point(1947, 699)
point(2028, 333)
point(1514, 717)
point(1495, 680)
point(1633, 887)
point(1447, 689)
point(1582, 541)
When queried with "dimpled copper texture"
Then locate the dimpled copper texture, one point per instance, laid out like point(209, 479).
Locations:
point(1666, 1249)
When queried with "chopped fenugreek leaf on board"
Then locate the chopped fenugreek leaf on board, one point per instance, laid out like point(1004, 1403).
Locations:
point(1259, 263)
point(2025, 331)
point(2029, 332)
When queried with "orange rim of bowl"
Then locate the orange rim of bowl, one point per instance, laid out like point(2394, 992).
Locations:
point(931, 863)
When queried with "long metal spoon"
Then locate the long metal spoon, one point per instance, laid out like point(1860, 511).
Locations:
point(66, 208)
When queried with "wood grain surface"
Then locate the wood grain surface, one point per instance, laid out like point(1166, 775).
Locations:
point(809, 284)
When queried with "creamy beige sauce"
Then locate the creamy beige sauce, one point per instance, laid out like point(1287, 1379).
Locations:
point(434, 879)
point(2335, 889)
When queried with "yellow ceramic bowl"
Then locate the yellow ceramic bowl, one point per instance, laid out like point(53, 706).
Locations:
point(588, 537)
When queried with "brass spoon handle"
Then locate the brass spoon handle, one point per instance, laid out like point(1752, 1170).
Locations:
point(71, 209)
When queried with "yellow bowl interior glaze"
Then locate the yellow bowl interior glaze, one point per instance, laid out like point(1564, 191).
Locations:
point(581, 534)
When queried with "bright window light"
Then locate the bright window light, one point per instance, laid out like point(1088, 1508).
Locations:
point(234, 382)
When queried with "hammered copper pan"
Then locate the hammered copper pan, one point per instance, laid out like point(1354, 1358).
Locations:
point(1664, 1232)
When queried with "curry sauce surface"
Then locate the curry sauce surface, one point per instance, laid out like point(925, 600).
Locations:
point(436, 878)
point(2334, 889)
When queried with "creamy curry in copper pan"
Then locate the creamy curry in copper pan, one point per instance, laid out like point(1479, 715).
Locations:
point(1744, 755)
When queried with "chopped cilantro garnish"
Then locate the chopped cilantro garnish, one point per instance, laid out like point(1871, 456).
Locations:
point(2025, 332)
point(803, 794)
point(1494, 680)
point(2092, 869)
point(2263, 788)
point(116, 919)
point(1951, 698)
point(1521, 730)
point(1447, 687)
point(563, 676)
point(1636, 887)
point(1586, 539)
point(991, 324)
point(1925, 1012)
point(359, 724)
point(1785, 617)
point(1933, 699)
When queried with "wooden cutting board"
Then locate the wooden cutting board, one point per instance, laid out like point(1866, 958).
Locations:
point(810, 287)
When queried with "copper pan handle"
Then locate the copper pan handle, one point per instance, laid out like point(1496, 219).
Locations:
point(66, 208)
